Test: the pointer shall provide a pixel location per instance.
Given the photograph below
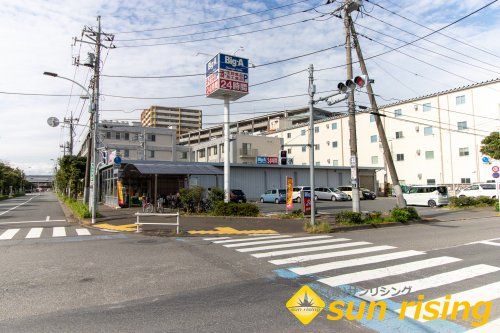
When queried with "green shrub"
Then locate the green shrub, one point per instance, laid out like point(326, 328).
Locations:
point(496, 207)
point(235, 209)
point(486, 201)
point(404, 214)
point(374, 215)
point(481, 201)
point(78, 208)
point(216, 195)
point(348, 217)
point(297, 213)
point(191, 198)
point(324, 227)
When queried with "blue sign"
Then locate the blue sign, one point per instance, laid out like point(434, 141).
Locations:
point(233, 63)
point(212, 66)
point(267, 160)
point(496, 175)
point(118, 160)
point(485, 159)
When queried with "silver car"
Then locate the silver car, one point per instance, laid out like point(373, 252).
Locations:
point(329, 193)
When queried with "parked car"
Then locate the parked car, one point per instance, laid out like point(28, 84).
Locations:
point(427, 195)
point(329, 193)
point(238, 196)
point(478, 190)
point(348, 191)
point(367, 194)
point(296, 192)
point(276, 196)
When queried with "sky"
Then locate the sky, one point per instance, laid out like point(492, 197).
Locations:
point(38, 36)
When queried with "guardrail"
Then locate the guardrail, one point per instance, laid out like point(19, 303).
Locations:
point(139, 223)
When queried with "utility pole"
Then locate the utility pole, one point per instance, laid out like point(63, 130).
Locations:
point(380, 127)
point(227, 150)
point(70, 121)
point(352, 115)
point(312, 91)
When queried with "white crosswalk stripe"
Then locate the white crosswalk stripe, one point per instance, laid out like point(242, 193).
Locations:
point(39, 232)
point(9, 233)
point(83, 232)
point(58, 232)
point(308, 249)
point(34, 233)
point(248, 239)
point(292, 244)
point(275, 241)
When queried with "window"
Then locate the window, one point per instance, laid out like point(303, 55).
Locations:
point(399, 134)
point(289, 150)
point(184, 155)
point(126, 153)
point(126, 136)
point(209, 151)
point(335, 144)
point(429, 155)
point(400, 157)
point(462, 125)
point(374, 159)
point(316, 147)
point(426, 107)
point(247, 148)
point(372, 118)
point(460, 99)
point(431, 181)
point(428, 130)
point(201, 153)
point(151, 137)
point(215, 150)
point(463, 151)
point(334, 126)
point(465, 180)
point(373, 138)
point(118, 136)
point(303, 132)
point(318, 163)
point(316, 129)
point(304, 148)
point(398, 113)
point(151, 154)
point(108, 135)
point(335, 162)
point(288, 135)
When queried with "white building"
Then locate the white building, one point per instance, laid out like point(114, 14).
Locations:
point(433, 139)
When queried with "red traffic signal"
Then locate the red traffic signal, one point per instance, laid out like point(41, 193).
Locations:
point(283, 157)
point(360, 82)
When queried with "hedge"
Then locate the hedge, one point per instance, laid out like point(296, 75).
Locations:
point(235, 209)
point(481, 201)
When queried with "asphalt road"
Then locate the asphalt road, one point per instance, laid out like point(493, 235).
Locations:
point(135, 283)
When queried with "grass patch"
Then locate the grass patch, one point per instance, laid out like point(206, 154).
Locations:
point(78, 208)
point(323, 227)
point(296, 214)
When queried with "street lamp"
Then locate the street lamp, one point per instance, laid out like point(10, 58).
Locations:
point(93, 153)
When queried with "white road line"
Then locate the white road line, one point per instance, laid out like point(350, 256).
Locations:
point(284, 246)
point(34, 233)
point(308, 249)
point(276, 241)
point(249, 239)
point(215, 238)
point(83, 232)
point(353, 262)
point(20, 222)
point(310, 257)
point(484, 293)
point(9, 233)
point(18, 205)
point(59, 232)
point(492, 326)
point(386, 271)
point(481, 241)
point(435, 280)
point(47, 219)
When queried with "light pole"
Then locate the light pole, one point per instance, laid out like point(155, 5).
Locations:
point(91, 109)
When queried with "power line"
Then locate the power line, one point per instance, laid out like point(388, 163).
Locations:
point(423, 26)
point(213, 21)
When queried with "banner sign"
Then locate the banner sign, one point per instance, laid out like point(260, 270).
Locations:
point(226, 76)
point(267, 160)
point(289, 193)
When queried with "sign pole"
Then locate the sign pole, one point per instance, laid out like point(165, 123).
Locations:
point(227, 161)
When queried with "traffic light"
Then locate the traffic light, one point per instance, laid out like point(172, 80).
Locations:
point(283, 157)
point(342, 87)
point(359, 81)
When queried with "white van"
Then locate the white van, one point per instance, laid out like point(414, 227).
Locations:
point(479, 190)
point(427, 195)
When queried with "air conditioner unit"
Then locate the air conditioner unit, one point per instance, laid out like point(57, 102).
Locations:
point(417, 129)
point(416, 107)
point(327, 125)
point(418, 152)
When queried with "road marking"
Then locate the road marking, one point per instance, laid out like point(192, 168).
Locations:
point(83, 232)
point(9, 233)
point(354, 262)
point(435, 280)
point(34, 233)
point(492, 326)
point(20, 222)
point(58, 232)
point(249, 239)
point(308, 249)
point(215, 238)
point(47, 219)
point(310, 257)
point(284, 246)
point(486, 242)
point(18, 205)
point(231, 231)
point(485, 293)
point(276, 241)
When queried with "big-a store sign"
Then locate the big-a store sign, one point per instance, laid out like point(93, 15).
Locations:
point(226, 75)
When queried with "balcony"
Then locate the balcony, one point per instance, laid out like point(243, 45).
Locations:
point(243, 152)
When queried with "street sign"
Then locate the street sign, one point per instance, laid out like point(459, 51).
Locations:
point(267, 160)
point(496, 174)
point(226, 76)
point(495, 168)
point(53, 121)
point(117, 160)
point(485, 159)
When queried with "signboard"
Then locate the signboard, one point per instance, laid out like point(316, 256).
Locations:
point(111, 157)
point(495, 168)
point(485, 159)
point(289, 193)
point(306, 202)
point(226, 76)
point(117, 160)
point(119, 188)
point(267, 160)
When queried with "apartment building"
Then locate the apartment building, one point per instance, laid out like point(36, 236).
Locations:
point(433, 139)
point(132, 141)
point(183, 120)
point(244, 149)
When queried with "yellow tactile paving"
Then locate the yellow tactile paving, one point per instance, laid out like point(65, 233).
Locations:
point(230, 231)
point(124, 227)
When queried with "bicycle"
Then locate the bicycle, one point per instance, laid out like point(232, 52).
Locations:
point(147, 208)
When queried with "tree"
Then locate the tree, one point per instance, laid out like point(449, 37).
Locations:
point(11, 177)
point(70, 175)
point(491, 145)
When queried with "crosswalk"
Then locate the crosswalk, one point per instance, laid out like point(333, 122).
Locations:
point(39, 232)
point(342, 262)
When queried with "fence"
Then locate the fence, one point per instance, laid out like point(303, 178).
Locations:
point(167, 215)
